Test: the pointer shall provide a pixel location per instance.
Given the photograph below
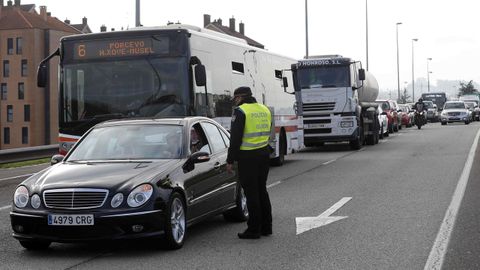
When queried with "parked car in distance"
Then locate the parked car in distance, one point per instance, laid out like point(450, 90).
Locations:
point(130, 179)
point(383, 121)
point(389, 107)
point(432, 112)
point(407, 118)
point(399, 113)
point(455, 111)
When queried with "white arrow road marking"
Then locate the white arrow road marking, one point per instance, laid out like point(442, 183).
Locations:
point(307, 223)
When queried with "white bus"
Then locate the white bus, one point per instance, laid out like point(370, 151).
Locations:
point(174, 70)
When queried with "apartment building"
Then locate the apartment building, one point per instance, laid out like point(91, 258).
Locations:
point(28, 114)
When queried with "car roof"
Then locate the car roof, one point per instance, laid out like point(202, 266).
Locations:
point(164, 121)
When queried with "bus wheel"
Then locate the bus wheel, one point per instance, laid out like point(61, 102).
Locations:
point(278, 161)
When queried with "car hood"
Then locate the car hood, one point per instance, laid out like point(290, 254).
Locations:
point(455, 110)
point(107, 175)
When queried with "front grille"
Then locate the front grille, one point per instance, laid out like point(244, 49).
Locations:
point(317, 121)
point(75, 198)
point(454, 113)
point(321, 106)
point(317, 131)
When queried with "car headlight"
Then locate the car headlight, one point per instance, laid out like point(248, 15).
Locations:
point(140, 195)
point(21, 197)
point(117, 200)
point(35, 201)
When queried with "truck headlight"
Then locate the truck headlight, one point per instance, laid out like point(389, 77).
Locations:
point(140, 195)
point(20, 198)
point(346, 124)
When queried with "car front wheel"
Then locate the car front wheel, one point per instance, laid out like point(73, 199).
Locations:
point(175, 222)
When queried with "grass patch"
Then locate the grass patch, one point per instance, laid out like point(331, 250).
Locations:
point(24, 163)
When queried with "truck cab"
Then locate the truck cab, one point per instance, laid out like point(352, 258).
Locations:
point(330, 91)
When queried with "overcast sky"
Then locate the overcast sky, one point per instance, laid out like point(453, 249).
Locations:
point(447, 31)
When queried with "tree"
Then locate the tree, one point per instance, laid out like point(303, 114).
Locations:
point(467, 89)
point(404, 98)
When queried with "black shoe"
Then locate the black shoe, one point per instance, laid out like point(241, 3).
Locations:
point(248, 235)
point(266, 232)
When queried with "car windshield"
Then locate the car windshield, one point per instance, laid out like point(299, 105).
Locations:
point(130, 142)
point(384, 105)
point(455, 105)
point(470, 105)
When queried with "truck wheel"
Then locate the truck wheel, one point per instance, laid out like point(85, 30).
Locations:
point(381, 133)
point(357, 143)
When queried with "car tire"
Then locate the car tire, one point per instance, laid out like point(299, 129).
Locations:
point(381, 133)
point(444, 123)
point(175, 222)
point(467, 122)
point(240, 212)
point(35, 244)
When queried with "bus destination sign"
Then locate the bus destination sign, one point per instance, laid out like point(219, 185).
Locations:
point(119, 48)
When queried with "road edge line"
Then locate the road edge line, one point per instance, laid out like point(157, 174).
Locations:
point(439, 248)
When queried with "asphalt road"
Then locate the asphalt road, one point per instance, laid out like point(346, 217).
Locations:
point(400, 191)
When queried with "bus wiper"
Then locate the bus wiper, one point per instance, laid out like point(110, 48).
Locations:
point(328, 85)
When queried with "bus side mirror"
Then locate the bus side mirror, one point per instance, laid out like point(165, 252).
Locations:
point(361, 74)
point(42, 75)
point(200, 75)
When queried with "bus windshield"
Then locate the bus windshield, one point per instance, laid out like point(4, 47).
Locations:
point(136, 87)
point(324, 77)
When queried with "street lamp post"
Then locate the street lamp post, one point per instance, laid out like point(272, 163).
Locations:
point(398, 65)
point(306, 29)
point(428, 74)
point(413, 70)
point(366, 28)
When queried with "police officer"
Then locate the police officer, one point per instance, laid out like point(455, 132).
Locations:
point(250, 133)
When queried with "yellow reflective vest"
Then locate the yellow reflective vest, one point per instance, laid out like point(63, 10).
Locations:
point(258, 122)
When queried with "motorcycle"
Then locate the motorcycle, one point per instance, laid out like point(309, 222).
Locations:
point(420, 119)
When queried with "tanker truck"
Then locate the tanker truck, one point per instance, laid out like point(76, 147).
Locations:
point(335, 101)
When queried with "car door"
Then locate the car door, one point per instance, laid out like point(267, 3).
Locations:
point(225, 183)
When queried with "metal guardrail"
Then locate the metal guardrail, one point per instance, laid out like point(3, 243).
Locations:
point(27, 153)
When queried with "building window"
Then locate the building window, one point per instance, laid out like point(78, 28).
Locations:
point(19, 45)
point(26, 113)
point(6, 135)
point(21, 90)
point(6, 68)
point(9, 45)
point(24, 67)
point(4, 91)
point(24, 135)
point(9, 113)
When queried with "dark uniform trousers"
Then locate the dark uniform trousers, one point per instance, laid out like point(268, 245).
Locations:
point(253, 174)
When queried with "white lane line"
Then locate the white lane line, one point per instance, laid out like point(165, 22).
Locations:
point(15, 177)
point(328, 162)
point(274, 184)
point(439, 249)
point(7, 207)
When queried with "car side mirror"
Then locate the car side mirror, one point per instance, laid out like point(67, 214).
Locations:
point(197, 157)
point(384, 113)
point(56, 159)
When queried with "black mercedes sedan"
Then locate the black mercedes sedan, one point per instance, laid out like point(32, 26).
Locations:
point(130, 179)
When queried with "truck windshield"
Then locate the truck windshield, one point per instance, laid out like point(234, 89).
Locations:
point(324, 77)
point(140, 87)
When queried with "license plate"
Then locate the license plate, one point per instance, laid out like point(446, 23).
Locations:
point(70, 220)
point(315, 125)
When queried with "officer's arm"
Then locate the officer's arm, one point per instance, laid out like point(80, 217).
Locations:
point(236, 135)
